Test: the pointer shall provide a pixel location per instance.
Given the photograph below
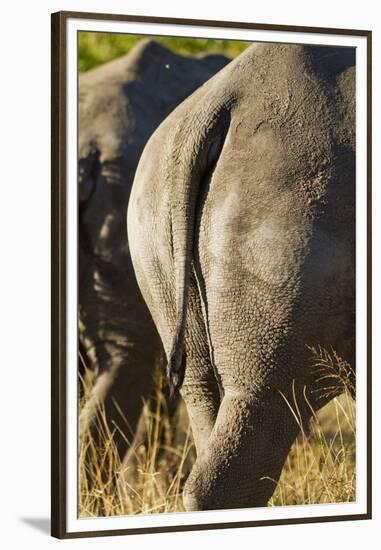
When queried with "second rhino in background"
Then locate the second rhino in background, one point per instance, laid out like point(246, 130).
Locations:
point(120, 105)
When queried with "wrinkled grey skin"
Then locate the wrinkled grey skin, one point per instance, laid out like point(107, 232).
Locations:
point(120, 105)
point(241, 231)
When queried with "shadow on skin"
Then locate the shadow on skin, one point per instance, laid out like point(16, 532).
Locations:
point(40, 524)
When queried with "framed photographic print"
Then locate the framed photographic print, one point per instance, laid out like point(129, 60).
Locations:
point(211, 274)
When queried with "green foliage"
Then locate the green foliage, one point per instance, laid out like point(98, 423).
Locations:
point(95, 48)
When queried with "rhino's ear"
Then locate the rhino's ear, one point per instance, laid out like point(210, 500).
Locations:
point(88, 172)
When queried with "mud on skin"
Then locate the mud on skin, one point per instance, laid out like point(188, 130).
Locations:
point(241, 232)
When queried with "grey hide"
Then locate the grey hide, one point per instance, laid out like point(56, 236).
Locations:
point(120, 105)
point(241, 231)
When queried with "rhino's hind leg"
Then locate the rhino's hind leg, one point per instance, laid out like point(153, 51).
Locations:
point(244, 457)
point(200, 388)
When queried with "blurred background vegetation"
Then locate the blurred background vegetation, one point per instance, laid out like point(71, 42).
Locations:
point(95, 48)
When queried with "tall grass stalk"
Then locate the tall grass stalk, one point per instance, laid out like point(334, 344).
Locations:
point(320, 467)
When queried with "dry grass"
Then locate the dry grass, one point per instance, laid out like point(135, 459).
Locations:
point(320, 467)
point(163, 463)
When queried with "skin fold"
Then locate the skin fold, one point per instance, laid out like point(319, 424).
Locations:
point(120, 105)
point(241, 228)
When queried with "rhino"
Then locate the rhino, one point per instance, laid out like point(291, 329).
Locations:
point(241, 227)
point(121, 103)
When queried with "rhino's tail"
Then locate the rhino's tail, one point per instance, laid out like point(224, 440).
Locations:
point(195, 147)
